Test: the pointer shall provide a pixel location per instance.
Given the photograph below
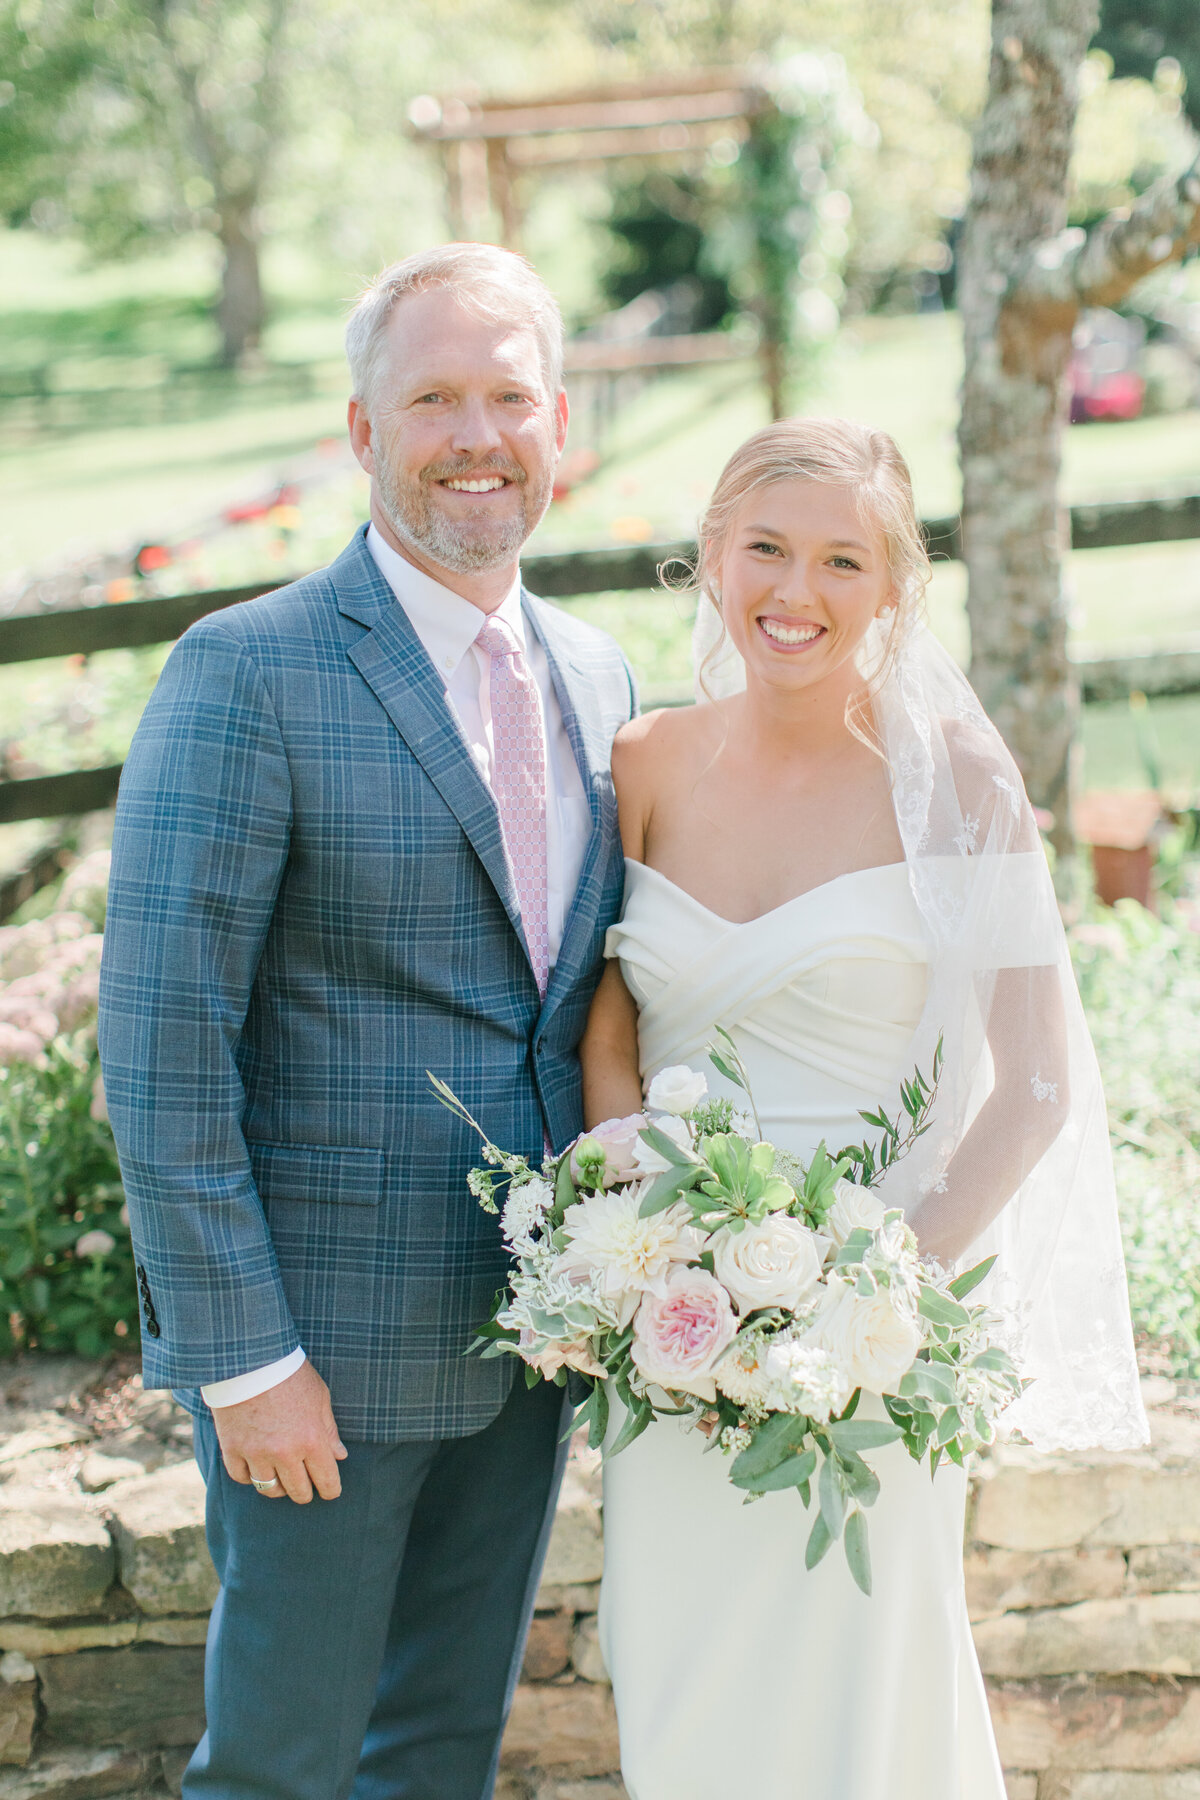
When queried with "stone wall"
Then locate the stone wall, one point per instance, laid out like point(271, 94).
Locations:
point(1083, 1577)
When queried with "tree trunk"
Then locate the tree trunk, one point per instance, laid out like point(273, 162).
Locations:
point(241, 313)
point(774, 369)
point(1014, 398)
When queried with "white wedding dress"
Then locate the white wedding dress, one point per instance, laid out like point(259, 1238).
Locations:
point(736, 1671)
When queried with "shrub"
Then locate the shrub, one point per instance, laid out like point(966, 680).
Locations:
point(66, 1263)
point(1140, 980)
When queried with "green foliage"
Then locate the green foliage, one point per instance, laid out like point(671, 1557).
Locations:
point(1140, 980)
point(1138, 34)
point(657, 223)
point(899, 1134)
point(59, 1182)
point(780, 237)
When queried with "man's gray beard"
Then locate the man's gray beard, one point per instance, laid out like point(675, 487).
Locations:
point(420, 525)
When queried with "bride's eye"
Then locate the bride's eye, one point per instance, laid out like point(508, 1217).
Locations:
point(769, 549)
point(845, 562)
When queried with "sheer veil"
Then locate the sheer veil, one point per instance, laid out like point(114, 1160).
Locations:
point(1017, 1159)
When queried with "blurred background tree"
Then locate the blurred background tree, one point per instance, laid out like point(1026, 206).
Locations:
point(140, 118)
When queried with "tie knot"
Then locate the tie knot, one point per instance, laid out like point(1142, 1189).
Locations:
point(498, 638)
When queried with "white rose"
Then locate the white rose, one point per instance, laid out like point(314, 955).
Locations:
point(855, 1207)
point(772, 1264)
point(676, 1090)
point(873, 1342)
point(646, 1159)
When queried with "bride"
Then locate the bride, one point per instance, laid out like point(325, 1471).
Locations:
point(833, 858)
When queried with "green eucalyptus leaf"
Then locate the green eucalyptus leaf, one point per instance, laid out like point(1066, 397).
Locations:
point(820, 1539)
point(861, 1480)
point(780, 1438)
point(832, 1496)
point(599, 1423)
point(666, 1146)
point(858, 1553)
point(793, 1471)
point(861, 1434)
point(666, 1188)
point(637, 1419)
point(724, 1067)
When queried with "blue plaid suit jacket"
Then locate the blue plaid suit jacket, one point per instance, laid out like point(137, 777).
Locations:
point(310, 907)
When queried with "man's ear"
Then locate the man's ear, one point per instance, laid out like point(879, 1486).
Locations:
point(562, 414)
point(359, 423)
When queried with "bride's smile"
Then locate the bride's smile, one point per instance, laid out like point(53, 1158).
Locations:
point(801, 580)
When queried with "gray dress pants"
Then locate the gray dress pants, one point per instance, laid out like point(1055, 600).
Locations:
point(370, 1645)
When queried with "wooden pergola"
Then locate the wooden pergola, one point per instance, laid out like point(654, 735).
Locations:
point(487, 147)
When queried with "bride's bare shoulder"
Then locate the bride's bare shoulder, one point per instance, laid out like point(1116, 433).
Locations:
point(655, 739)
point(650, 756)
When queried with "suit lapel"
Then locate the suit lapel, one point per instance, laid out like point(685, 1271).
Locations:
point(592, 755)
point(393, 662)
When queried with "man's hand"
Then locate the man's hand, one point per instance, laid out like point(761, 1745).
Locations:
point(288, 1433)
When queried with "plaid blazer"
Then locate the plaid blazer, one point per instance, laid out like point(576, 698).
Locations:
point(310, 907)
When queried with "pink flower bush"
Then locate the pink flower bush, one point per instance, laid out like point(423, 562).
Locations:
point(680, 1336)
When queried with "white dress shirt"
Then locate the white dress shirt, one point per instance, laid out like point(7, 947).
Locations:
point(447, 626)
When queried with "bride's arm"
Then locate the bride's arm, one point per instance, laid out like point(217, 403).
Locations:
point(1017, 1123)
point(612, 1084)
point(608, 1052)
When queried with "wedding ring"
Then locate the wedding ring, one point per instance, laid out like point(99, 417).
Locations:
point(264, 1486)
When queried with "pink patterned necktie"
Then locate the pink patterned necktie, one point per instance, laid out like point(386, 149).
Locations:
point(519, 782)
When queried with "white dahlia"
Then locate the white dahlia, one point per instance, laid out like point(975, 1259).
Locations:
point(621, 1251)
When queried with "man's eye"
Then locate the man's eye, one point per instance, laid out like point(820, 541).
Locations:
point(521, 399)
point(428, 399)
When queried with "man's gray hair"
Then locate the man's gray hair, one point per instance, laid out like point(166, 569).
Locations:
point(486, 281)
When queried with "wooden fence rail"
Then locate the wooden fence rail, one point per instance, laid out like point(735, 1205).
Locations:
point(563, 576)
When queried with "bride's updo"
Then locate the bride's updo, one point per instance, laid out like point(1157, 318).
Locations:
point(845, 455)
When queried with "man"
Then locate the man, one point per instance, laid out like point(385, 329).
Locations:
point(366, 830)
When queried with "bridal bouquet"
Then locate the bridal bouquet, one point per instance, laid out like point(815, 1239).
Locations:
point(686, 1267)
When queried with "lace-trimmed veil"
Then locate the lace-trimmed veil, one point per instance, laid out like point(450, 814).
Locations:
point(1017, 1159)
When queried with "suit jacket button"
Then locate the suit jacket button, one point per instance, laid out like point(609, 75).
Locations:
point(154, 1328)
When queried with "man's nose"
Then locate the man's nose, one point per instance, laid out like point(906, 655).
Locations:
point(476, 432)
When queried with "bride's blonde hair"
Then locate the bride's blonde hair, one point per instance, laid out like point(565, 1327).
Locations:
point(846, 455)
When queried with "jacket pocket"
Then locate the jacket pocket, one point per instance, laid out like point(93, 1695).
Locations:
point(331, 1173)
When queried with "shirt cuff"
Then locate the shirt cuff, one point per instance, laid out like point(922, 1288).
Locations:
point(254, 1382)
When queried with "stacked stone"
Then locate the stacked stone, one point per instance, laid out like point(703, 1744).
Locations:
point(561, 1742)
point(105, 1589)
point(1083, 1579)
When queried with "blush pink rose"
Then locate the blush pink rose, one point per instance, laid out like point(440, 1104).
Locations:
point(679, 1336)
point(618, 1139)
